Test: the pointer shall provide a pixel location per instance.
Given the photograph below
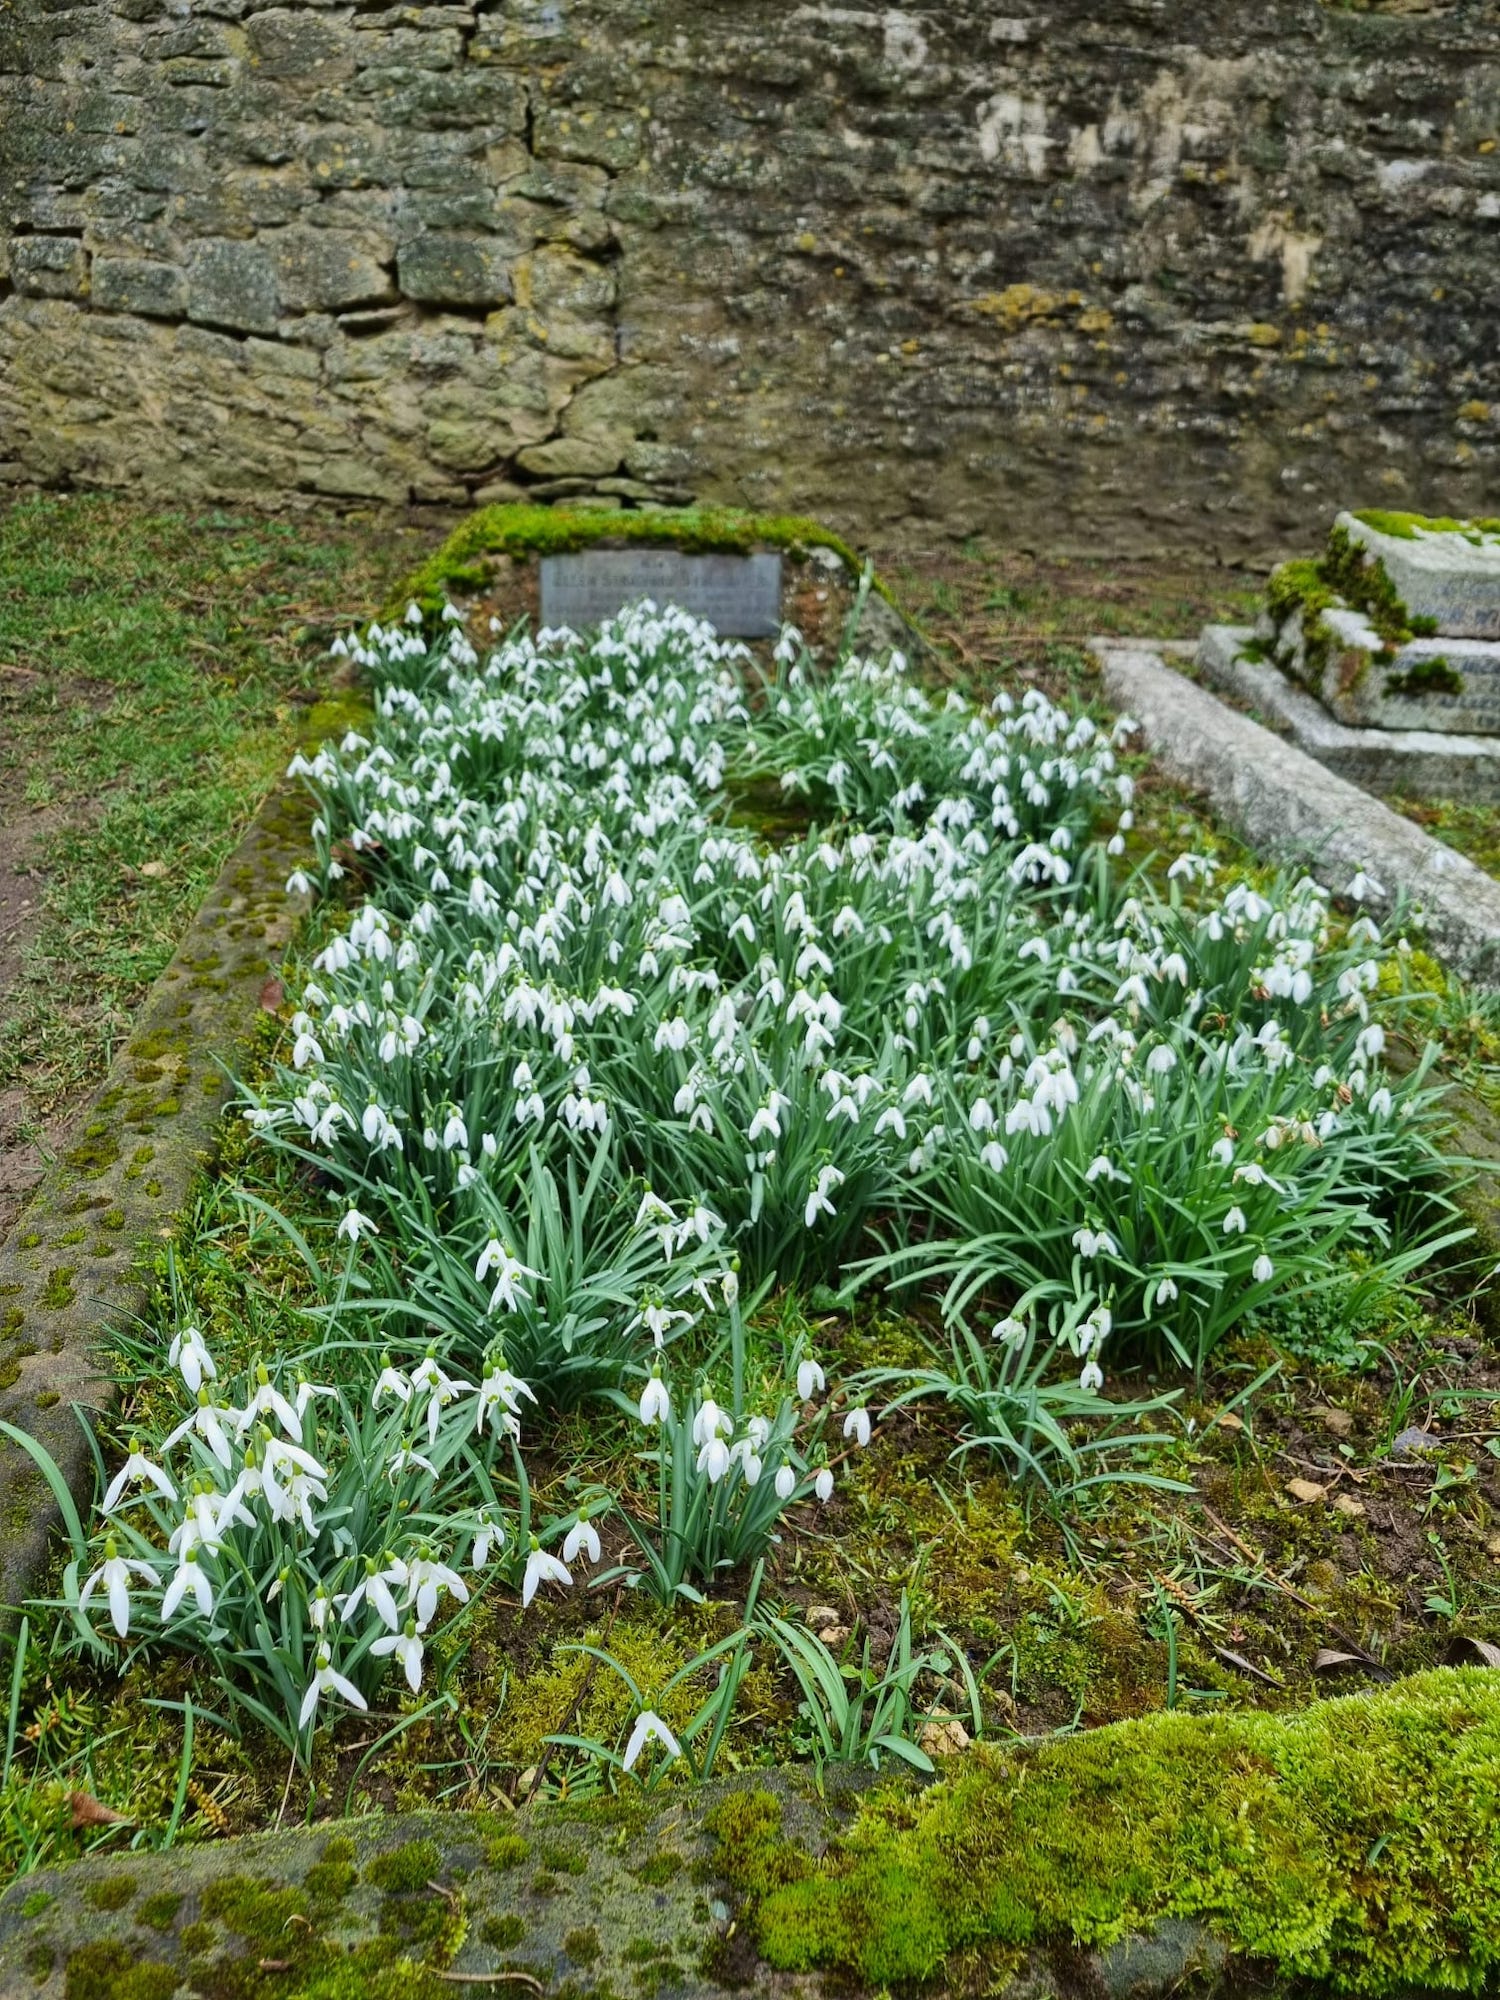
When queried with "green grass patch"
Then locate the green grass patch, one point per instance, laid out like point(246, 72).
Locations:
point(154, 668)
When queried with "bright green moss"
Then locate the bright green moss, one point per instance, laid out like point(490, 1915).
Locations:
point(1355, 1843)
point(1406, 527)
point(545, 531)
point(507, 1850)
point(405, 1869)
point(1425, 677)
point(753, 1854)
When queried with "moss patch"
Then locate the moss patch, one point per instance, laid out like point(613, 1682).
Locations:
point(547, 531)
point(1407, 527)
point(1353, 1843)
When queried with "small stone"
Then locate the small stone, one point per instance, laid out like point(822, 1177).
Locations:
point(1338, 1423)
point(834, 1636)
point(819, 1615)
point(943, 1739)
point(1411, 1441)
point(1228, 1420)
point(1307, 1491)
point(1347, 1504)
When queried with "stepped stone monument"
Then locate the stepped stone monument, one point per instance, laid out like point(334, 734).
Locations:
point(1381, 657)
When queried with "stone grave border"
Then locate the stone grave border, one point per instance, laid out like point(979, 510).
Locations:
point(81, 1250)
point(1288, 806)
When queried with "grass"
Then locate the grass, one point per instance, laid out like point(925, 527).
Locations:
point(1471, 826)
point(151, 668)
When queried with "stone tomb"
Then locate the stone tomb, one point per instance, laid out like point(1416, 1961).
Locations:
point(1397, 626)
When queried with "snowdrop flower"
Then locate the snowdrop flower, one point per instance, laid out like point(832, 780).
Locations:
point(390, 1381)
point(489, 1535)
point(656, 1404)
point(374, 1588)
point(857, 1426)
point(1091, 1376)
point(711, 1422)
point(403, 1461)
point(115, 1573)
point(1011, 1330)
point(1161, 1060)
point(327, 1680)
point(785, 1482)
point(406, 1645)
point(206, 1420)
point(1221, 1152)
point(189, 1355)
point(440, 1389)
point(501, 1390)
point(189, 1577)
point(582, 1535)
point(509, 1271)
point(137, 1466)
point(1234, 1222)
point(426, 1580)
point(354, 1225)
point(811, 1381)
point(649, 1728)
point(1166, 1289)
point(1101, 1165)
point(713, 1458)
point(1094, 1243)
point(823, 1485)
point(817, 1200)
point(1262, 1270)
point(541, 1568)
point(268, 1401)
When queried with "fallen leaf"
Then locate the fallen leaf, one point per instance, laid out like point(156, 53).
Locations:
point(1245, 1666)
point(88, 1811)
point(1338, 1423)
point(273, 996)
point(153, 870)
point(1480, 1651)
point(1306, 1490)
point(1327, 1661)
point(1345, 1503)
point(1228, 1421)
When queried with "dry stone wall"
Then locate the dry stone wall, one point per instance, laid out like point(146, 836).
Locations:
point(1151, 271)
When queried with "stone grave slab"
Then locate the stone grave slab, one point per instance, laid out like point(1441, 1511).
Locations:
point(1451, 575)
point(1442, 684)
point(1417, 763)
point(739, 595)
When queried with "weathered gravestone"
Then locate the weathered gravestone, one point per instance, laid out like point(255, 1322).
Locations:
point(740, 596)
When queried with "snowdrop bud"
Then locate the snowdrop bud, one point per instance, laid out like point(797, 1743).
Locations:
point(823, 1485)
point(857, 1426)
point(811, 1380)
point(786, 1483)
point(1234, 1222)
point(1263, 1269)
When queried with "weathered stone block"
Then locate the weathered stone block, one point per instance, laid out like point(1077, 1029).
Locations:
point(1447, 685)
point(607, 138)
point(140, 285)
point(329, 270)
point(452, 270)
point(50, 267)
point(299, 48)
point(570, 457)
point(233, 285)
point(1449, 571)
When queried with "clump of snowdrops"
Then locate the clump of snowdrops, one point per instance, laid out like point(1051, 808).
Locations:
point(584, 1056)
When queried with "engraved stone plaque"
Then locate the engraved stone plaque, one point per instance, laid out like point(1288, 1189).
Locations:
point(739, 595)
